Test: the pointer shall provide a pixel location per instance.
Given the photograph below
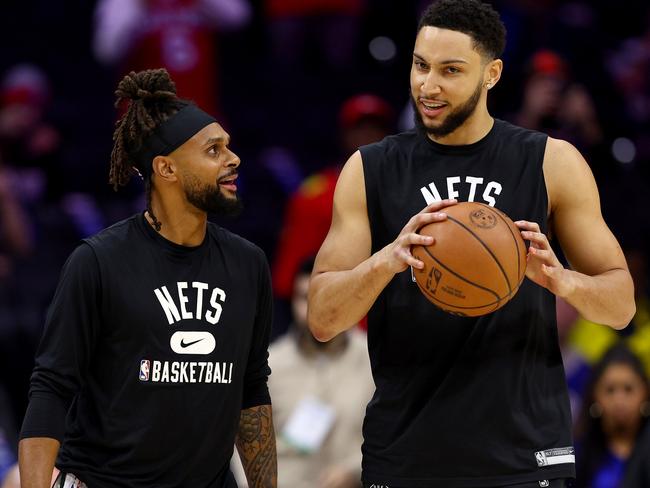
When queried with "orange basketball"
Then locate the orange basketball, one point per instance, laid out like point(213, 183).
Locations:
point(476, 263)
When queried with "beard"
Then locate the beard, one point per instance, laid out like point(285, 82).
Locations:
point(209, 197)
point(453, 121)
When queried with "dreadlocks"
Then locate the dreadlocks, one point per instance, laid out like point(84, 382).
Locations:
point(151, 98)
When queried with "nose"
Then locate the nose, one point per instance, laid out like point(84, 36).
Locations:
point(430, 85)
point(233, 160)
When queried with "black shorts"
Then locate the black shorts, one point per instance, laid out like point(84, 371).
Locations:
point(558, 483)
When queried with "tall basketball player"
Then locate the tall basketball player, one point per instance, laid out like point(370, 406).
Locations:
point(465, 402)
point(154, 355)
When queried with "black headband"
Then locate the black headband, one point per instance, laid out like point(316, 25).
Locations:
point(171, 134)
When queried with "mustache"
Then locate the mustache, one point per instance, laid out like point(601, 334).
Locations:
point(232, 172)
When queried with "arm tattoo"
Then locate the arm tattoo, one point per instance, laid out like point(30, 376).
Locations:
point(256, 446)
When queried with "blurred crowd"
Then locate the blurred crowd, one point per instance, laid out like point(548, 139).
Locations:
point(300, 84)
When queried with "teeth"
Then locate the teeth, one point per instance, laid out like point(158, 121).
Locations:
point(434, 106)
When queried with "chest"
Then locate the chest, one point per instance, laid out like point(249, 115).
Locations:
point(204, 308)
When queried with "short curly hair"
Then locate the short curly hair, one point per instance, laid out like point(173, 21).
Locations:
point(472, 17)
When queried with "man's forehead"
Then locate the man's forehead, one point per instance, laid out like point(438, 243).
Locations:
point(211, 134)
point(439, 43)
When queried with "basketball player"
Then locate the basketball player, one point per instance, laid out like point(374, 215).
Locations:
point(464, 402)
point(154, 355)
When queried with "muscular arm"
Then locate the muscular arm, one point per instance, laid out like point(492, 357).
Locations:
point(256, 447)
point(36, 457)
point(347, 279)
point(598, 284)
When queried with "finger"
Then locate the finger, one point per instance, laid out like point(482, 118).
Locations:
point(435, 206)
point(526, 225)
point(536, 237)
point(414, 239)
point(545, 256)
point(411, 260)
point(422, 219)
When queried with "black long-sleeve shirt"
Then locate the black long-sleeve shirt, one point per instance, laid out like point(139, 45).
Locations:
point(149, 354)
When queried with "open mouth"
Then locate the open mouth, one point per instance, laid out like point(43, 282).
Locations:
point(431, 109)
point(228, 182)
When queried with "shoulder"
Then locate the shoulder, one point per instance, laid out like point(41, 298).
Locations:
point(114, 236)
point(514, 133)
point(388, 144)
point(564, 166)
point(234, 245)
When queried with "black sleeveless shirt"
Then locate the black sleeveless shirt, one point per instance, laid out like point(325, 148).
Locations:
point(462, 402)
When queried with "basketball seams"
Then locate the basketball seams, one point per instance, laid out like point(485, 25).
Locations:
point(485, 246)
point(519, 276)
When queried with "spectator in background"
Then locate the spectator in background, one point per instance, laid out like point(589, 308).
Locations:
point(555, 104)
point(175, 34)
point(576, 367)
point(363, 119)
point(630, 69)
point(29, 144)
point(318, 405)
point(637, 473)
point(615, 411)
point(298, 25)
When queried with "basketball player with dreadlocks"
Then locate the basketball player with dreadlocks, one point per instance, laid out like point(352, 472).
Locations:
point(153, 361)
point(465, 402)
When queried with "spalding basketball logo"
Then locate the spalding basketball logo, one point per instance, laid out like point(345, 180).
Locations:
point(483, 219)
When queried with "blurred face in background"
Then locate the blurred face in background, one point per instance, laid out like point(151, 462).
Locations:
point(621, 393)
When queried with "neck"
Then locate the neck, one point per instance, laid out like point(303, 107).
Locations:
point(180, 223)
point(621, 441)
point(622, 445)
point(475, 128)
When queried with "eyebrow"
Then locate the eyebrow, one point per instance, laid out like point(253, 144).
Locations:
point(217, 140)
point(446, 61)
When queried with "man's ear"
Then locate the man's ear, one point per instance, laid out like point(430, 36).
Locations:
point(164, 168)
point(493, 72)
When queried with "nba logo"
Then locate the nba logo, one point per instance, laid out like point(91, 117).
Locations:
point(144, 370)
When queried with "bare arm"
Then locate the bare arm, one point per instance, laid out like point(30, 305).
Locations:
point(347, 279)
point(256, 447)
point(36, 457)
point(598, 284)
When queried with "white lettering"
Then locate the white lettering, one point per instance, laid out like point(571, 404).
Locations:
point(208, 373)
point(492, 185)
point(182, 285)
point(200, 288)
point(165, 373)
point(217, 373)
point(473, 181)
point(174, 376)
point(184, 378)
point(451, 181)
point(213, 317)
point(155, 371)
point(431, 196)
point(168, 305)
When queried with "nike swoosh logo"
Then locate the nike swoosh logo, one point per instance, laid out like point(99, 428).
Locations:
point(188, 344)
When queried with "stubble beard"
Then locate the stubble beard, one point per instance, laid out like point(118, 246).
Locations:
point(210, 198)
point(454, 119)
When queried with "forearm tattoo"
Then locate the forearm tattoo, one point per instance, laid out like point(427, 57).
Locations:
point(256, 446)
